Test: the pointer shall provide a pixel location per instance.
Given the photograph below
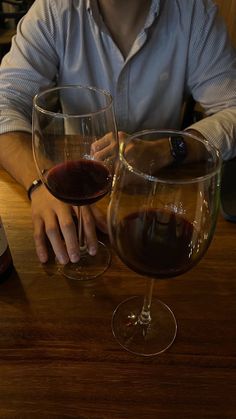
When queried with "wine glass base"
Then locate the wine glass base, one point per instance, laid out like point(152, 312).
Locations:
point(88, 268)
point(141, 339)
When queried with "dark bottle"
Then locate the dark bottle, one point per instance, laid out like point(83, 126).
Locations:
point(6, 263)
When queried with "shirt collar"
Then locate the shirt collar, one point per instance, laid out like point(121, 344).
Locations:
point(153, 12)
point(92, 7)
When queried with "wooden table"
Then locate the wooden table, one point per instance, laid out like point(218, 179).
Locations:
point(58, 358)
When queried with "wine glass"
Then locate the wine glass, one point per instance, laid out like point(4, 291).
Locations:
point(75, 148)
point(161, 220)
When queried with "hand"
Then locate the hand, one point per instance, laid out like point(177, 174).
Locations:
point(151, 157)
point(105, 148)
point(159, 150)
point(156, 154)
point(54, 220)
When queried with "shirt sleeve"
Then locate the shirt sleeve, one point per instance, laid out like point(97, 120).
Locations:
point(31, 64)
point(212, 77)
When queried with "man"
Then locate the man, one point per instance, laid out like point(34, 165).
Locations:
point(150, 55)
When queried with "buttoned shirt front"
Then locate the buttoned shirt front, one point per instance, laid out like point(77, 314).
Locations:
point(182, 49)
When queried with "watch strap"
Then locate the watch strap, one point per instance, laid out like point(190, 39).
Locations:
point(34, 185)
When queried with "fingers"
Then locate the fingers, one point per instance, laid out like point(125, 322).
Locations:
point(40, 241)
point(101, 143)
point(104, 148)
point(106, 153)
point(49, 228)
point(100, 218)
point(62, 235)
point(89, 230)
point(93, 217)
point(53, 220)
point(57, 224)
point(70, 235)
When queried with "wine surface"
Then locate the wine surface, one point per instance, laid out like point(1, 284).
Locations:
point(80, 182)
point(159, 244)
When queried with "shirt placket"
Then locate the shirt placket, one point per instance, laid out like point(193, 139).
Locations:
point(121, 98)
point(123, 85)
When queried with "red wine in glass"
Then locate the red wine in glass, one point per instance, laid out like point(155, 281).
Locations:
point(80, 182)
point(158, 243)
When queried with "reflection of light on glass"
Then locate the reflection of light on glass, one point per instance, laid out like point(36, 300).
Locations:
point(177, 209)
point(205, 203)
point(191, 249)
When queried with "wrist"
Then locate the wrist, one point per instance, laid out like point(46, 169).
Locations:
point(196, 149)
point(34, 185)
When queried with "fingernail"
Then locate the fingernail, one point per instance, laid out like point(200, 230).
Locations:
point(63, 260)
point(43, 257)
point(92, 251)
point(74, 257)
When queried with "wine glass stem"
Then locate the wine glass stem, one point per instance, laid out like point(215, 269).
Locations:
point(145, 315)
point(82, 244)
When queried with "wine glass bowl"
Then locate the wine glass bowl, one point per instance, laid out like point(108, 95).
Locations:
point(161, 221)
point(75, 148)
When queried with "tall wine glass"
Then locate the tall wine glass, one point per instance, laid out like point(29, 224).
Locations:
point(75, 147)
point(161, 222)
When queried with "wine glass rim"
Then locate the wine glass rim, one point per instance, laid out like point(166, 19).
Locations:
point(169, 132)
point(67, 87)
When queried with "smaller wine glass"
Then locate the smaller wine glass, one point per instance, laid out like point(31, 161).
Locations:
point(161, 220)
point(75, 148)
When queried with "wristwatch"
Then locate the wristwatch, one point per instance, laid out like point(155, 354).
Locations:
point(178, 148)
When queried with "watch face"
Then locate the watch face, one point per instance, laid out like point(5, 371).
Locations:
point(178, 148)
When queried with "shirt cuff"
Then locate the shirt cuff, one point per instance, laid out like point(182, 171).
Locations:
point(11, 120)
point(220, 130)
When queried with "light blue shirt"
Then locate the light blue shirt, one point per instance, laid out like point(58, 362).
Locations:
point(182, 49)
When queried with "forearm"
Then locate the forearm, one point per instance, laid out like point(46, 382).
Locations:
point(16, 157)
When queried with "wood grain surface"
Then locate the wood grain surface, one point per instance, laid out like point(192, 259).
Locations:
point(59, 359)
